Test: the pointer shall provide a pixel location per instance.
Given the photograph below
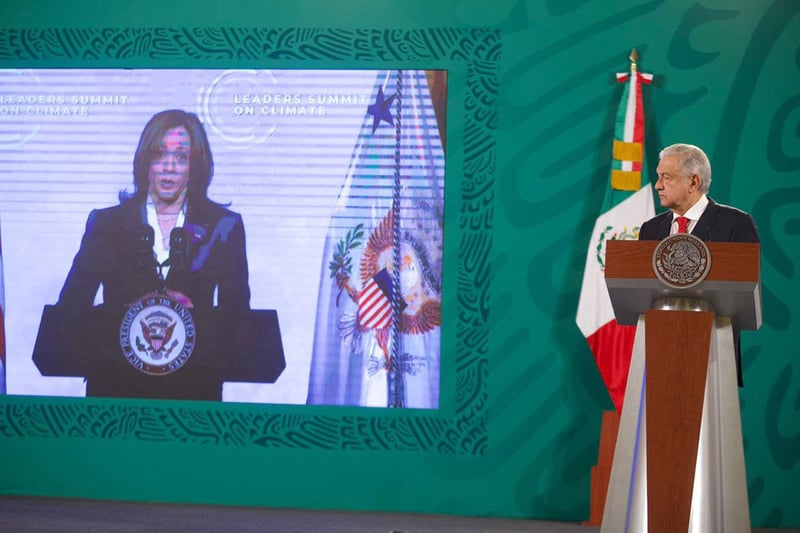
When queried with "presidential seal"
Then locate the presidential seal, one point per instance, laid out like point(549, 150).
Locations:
point(681, 261)
point(157, 335)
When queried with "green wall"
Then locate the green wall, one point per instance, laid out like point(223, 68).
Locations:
point(532, 102)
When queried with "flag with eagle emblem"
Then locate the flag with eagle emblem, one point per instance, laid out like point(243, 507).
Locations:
point(627, 203)
point(377, 331)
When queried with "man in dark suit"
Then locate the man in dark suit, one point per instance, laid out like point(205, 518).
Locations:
point(684, 178)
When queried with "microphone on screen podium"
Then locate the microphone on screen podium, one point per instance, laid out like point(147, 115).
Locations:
point(178, 249)
point(143, 248)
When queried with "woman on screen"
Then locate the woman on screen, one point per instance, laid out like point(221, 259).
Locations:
point(166, 238)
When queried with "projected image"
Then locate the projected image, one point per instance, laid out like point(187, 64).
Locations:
point(237, 235)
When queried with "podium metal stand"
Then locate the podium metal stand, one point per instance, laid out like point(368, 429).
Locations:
point(679, 458)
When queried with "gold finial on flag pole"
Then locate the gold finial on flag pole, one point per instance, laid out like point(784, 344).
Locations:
point(633, 57)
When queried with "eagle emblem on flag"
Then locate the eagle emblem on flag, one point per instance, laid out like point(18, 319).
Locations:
point(421, 311)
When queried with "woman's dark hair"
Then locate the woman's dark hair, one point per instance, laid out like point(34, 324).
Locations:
point(201, 164)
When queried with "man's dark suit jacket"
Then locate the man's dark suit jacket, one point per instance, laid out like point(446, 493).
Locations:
point(112, 254)
point(718, 223)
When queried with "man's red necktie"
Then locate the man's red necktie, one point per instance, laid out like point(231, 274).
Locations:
point(683, 224)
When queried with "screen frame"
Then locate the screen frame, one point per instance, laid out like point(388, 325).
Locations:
point(459, 426)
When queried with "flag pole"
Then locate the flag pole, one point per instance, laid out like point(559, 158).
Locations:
point(395, 384)
point(627, 203)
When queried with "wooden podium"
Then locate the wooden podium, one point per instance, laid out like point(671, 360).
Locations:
point(679, 459)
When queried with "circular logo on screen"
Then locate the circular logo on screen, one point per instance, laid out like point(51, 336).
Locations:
point(681, 261)
point(19, 106)
point(239, 106)
point(157, 335)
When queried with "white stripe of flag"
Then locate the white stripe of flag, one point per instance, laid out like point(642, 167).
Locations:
point(374, 307)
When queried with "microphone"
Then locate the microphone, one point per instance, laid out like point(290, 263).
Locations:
point(178, 249)
point(143, 247)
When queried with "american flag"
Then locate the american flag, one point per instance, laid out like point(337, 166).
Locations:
point(375, 302)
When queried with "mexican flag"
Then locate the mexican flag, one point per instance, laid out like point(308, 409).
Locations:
point(628, 202)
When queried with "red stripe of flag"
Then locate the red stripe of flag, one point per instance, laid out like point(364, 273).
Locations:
point(374, 308)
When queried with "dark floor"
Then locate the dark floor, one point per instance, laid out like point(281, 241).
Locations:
point(40, 515)
point(23, 514)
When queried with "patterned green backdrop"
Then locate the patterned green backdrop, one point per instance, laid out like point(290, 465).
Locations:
point(531, 107)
